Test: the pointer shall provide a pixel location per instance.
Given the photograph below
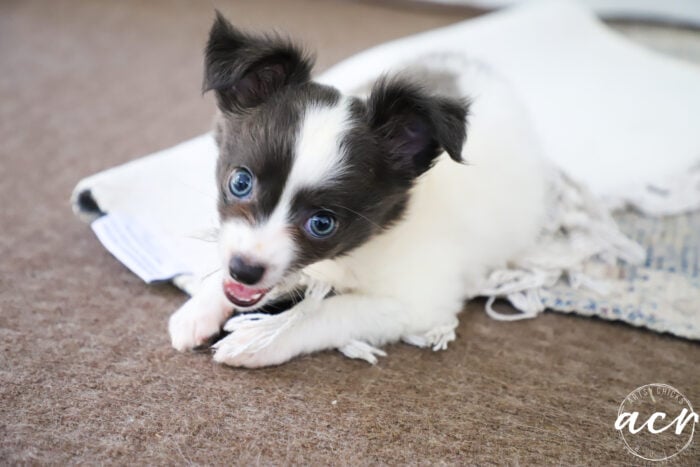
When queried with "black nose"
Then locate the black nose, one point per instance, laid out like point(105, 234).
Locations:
point(245, 272)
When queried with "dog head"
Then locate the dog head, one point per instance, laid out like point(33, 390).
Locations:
point(305, 173)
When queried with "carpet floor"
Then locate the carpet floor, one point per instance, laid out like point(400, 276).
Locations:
point(87, 375)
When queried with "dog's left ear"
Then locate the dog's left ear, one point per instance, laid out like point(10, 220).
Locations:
point(415, 127)
point(246, 70)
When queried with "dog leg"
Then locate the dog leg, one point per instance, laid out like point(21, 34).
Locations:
point(351, 323)
point(201, 317)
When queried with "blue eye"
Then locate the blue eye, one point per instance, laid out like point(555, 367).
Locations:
point(321, 225)
point(241, 183)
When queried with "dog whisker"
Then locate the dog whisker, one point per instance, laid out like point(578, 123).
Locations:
point(361, 216)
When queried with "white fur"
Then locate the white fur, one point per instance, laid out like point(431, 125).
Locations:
point(201, 316)
point(410, 282)
point(318, 156)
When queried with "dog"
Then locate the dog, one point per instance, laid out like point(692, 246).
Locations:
point(380, 208)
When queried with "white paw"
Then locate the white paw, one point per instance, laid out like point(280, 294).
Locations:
point(258, 340)
point(233, 350)
point(437, 338)
point(362, 350)
point(190, 326)
point(255, 340)
point(254, 331)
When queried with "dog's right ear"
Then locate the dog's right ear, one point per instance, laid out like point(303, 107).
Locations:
point(414, 126)
point(246, 70)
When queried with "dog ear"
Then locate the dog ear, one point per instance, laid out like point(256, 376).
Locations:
point(414, 126)
point(245, 70)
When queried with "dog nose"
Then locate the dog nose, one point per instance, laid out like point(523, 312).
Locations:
point(245, 272)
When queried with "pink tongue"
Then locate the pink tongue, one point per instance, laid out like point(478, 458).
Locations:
point(241, 291)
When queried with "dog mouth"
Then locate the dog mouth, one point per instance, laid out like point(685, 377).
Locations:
point(242, 295)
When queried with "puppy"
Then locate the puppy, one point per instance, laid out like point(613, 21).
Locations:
point(368, 198)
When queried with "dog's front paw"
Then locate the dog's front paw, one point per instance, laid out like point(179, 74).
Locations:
point(255, 340)
point(191, 326)
point(258, 340)
point(228, 353)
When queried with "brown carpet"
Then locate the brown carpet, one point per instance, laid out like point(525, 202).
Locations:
point(86, 371)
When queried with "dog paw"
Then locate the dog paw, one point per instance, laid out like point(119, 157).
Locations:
point(191, 327)
point(260, 359)
point(255, 340)
point(362, 350)
point(437, 338)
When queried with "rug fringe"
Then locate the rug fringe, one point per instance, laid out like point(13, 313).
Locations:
point(578, 230)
